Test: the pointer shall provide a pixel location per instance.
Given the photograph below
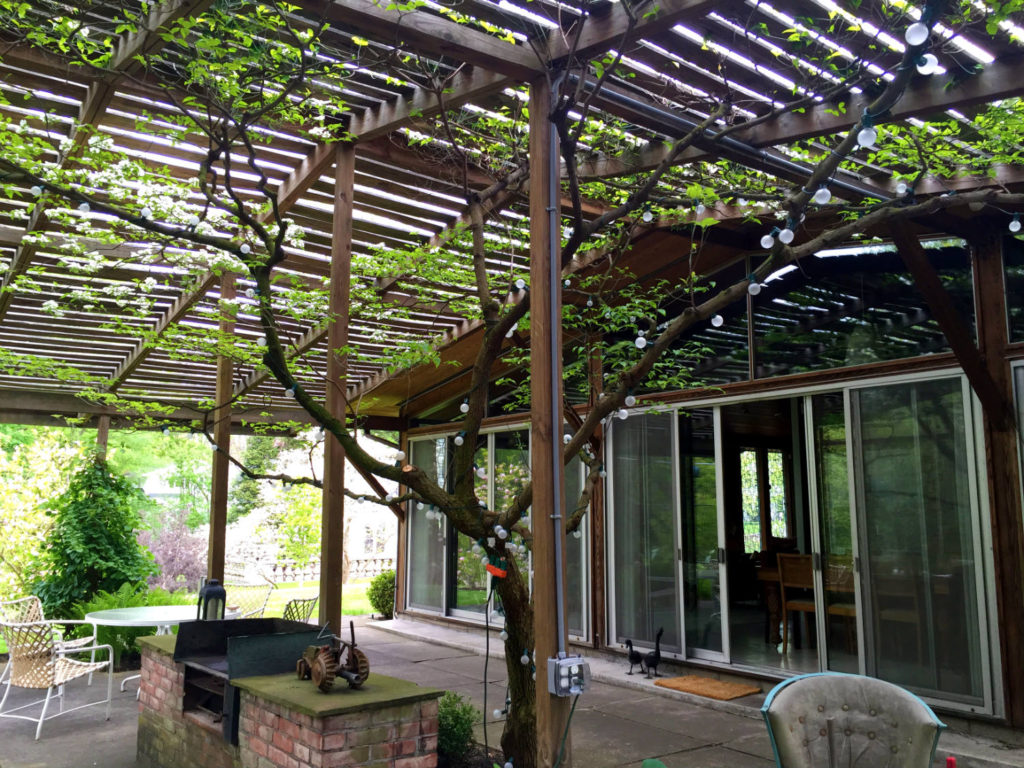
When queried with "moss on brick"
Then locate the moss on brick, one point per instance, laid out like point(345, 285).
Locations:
point(379, 692)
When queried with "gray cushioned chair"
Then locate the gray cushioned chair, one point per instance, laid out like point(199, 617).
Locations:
point(832, 720)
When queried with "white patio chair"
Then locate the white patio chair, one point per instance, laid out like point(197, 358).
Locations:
point(39, 661)
point(29, 609)
point(250, 599)
point(828, 720)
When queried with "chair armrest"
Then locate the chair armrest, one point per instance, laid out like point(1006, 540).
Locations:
point(85, 649)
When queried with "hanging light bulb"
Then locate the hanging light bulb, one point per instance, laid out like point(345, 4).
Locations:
point(503, 635)
point(567, 282)
point(928, 64)
point(917, 33)
point(400, 456)
point(508, 764)
point(525, 658)
point(754, 287)
point(590, 302)
point(481, 472)
point(767, 241)
point(630, 400)
point(146, 213)
point(261, 341)
point(867, 136)
point(647, 216)
point(250, 293)
point(290, 393)
point(700, 209)
point(83, 207)
point(1014, 225)
point(822, 196)
point(786, 236)
point(577, 534)
point(640, 342)
point(245, 249)
point(622, 414)
point(566, 439)
point(389, 498)
point(602, 473)
point(465, 406)
point(491, 542)
point(501, 532)
point(718, 321)
point(193, 220)
point(36, 190)
point(901, 188)
point(520, 284)
point(459, 439)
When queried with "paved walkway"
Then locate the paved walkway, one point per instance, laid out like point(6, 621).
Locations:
point(619, 722)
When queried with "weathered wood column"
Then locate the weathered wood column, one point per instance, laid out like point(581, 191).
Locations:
point(332, 542)
point(222, 440)
point(102, 436)
point(546, 425)
point(1003, 472)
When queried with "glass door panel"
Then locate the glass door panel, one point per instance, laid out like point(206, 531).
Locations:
point(471, 577)
point(576, 553)
point(511, 474)
point(426, 533)
point(832, 496)
point(702, 576)
point(919, 540)
point(644, 521)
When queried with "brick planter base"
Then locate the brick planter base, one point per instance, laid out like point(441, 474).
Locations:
point(285, 723)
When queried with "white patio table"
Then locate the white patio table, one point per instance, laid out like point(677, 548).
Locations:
point(163, 617)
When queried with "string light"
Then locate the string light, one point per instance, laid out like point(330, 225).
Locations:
point(866, 137)
point(917, 33)
point(465, 406)
point(290, 393)
point(525, 658)
point(630, 400)
point(481, 472)
point(641, 340)
point(400, 456)
point(567, 282)
point(577, 534)
point(566, 438)
point(647, 216)
point(503, 635)
point(786, 235)
point(36, 190)
point(250, 293)
point(245, 249)
point(700, 209)
point(520, 284)
point(902, 188)
point(767, 241)
point(1014, 225)
point(717, 321)
point(622, 414)
point(928, 64)
point(146, 213)
point(754, 287)
point(83, 207)
point(261, 341)
point(822, 195)
point(590, 302)
point(193, 220)
point(459, 438)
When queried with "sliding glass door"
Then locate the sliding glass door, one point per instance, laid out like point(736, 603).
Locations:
point(644, 525)
point(427, 532)
point(920, 539)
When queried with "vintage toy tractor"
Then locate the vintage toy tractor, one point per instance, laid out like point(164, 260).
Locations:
point(325, 663)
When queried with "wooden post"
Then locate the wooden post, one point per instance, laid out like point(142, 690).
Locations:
point(102, 435)
point(401, 560)
point(222, 440)
point(546, 422)
point(332, 541)
point(1003, 474)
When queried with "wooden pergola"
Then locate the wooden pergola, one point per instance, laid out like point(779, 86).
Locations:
point(393, 185)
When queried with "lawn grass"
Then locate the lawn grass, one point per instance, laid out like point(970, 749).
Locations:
point(353, 597)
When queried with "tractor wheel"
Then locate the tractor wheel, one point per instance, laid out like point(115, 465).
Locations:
point(324, 669)
point(362, 667)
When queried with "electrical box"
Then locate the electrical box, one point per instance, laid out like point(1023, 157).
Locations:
point(568, 677)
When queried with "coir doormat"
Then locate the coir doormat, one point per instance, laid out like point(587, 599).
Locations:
point(706, 686)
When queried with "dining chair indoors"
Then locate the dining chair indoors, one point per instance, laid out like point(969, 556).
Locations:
point(39, 661)
point(796, 581)
point(833, 720)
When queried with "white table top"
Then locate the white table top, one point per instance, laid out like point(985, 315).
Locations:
point(144, 616)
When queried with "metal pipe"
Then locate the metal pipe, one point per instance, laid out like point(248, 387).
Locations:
point(554, 324)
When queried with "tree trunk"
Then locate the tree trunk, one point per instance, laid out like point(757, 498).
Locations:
point(519, 739)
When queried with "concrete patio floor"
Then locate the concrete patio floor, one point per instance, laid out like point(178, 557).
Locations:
point(620, 721)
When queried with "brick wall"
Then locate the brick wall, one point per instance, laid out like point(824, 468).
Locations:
point(272, 735)
point(402, 736)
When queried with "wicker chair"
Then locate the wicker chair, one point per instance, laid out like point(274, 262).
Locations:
point(300, 609)
point(39, 661)
point(828, 720)
point(250, 599)
point(29, 609)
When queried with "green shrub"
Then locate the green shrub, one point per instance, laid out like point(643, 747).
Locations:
point(455, 719)
point(382, 593)
point(122, 639)
point(91, 545)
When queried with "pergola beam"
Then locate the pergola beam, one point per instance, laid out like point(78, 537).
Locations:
point(999, 80)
